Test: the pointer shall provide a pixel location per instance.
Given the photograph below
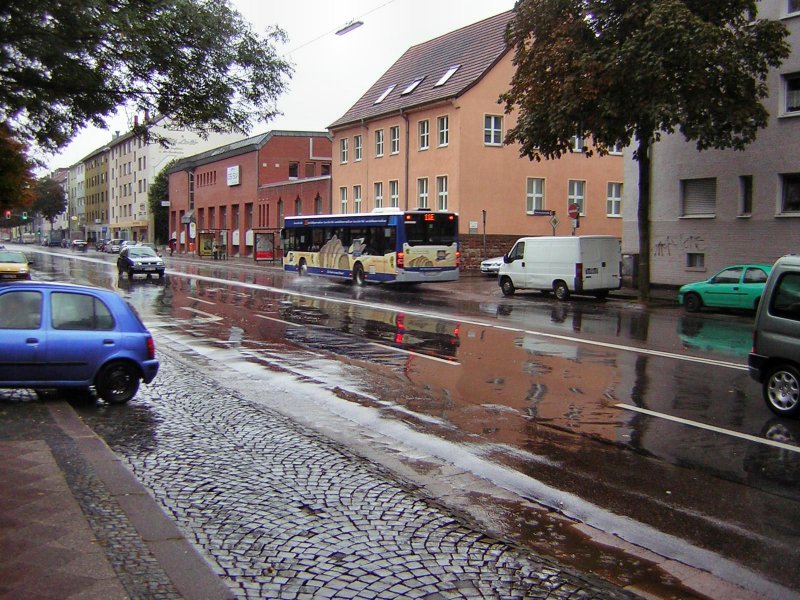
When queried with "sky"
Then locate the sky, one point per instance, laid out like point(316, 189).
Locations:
point(330, 72)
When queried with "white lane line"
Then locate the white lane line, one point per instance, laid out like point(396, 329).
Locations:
point(266, 318)
point(208, 316)
point(193, 299)
point(412, 353)
point(744, 436)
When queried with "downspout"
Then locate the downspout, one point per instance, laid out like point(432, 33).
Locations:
point(365, 129)
point(405, 118)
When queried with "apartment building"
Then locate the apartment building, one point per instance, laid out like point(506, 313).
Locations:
point(429, 133)
point(714, 208)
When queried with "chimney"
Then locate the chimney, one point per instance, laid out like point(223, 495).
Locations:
point(146, 116)
point(135, 120)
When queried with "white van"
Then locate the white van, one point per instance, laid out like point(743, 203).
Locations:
point(588, 264)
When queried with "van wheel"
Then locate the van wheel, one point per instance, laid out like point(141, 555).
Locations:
point(692, 302)
point(117, 382)
point(561, 290)
point(358, 275)
point(782, 390)
point(507, 287)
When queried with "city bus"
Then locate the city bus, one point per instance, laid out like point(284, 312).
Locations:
point(385, 246)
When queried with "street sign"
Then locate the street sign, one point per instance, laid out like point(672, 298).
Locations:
point(572, 211)
point(554, 222)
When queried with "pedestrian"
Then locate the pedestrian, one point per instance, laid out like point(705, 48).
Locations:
point(172, 243)
point(215, 250)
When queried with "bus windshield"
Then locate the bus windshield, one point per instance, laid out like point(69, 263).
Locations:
point(431, 229)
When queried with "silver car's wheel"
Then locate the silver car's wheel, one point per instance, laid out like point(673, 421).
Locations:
point(782, 390)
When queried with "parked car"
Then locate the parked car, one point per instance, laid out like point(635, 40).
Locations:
point(113, 246)
point(774, 360)
point(100, 245)
point(13, 265)
point(139, 259)
point(70, 337)
point(80, 245)
point(737, 286)
point(491, 266)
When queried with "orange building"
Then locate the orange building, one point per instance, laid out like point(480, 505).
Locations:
point(429, 133)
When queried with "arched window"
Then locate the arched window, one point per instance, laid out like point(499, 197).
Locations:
point(280, 212)
point(298, 206)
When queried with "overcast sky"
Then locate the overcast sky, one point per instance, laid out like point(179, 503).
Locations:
point(331, 72)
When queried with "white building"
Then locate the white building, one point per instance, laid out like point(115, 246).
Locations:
point(719, 207)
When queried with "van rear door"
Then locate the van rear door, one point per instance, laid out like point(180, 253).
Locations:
point(601, 259)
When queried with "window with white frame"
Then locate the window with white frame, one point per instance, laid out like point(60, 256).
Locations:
point(698, 197)
point(343, 199)
point(344, 146)
point(493, 130)
point(378, 194)
point(791, 86)
point(394, 193)
point(745, 195)
point(379, 142)
point(576, 194)
point(577, 143)
point(424, 131)
point(441, 192)
point(394, 140)
point(614, 199)
point(357, 198)
point(298, 206)
point(317, 206)
point(357, 147)
point(422, 192)
point(443, 129)
point(792, 6)
point(534, 197)
point(790, 193)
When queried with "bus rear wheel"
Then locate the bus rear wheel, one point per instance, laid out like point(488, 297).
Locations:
point(358, 274)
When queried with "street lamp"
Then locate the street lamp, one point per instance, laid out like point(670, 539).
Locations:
point(350, 27)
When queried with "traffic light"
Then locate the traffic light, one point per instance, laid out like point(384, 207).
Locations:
point(24, 216)
point(8, 214)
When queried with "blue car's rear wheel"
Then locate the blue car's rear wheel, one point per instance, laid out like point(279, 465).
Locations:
point(117, 382)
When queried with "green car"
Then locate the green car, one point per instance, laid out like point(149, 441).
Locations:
point(737, 286)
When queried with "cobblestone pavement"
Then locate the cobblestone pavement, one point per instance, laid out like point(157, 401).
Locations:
point(285, 513)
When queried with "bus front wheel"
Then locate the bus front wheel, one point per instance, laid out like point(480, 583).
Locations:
point(358, 274)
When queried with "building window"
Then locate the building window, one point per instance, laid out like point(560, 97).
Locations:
point(378, 194)
point(394, 193)
point(379, 142)
point(424, 129)
point(443, 127)
point(577, 143)
point(493, 130)
point(695, 260)
point(298, 206)
point(745, 195)
point(357, 147)
point(343, 199)
point(411, 86)
point(357, 198)
point(535, 195)
point(344, 145)
point(394, 140)
point(294, 170)
point(698, 197)
point(311, 169)
point(318, 205)
point(441, 192)
point(792, 91)
point(325, 170)
point(448, 74)
point(422, 192)
point(576, 194)
point(792, 6)
point(790, 194)
point(614, 200)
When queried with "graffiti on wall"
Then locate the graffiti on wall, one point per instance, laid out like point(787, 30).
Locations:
point(668, 245)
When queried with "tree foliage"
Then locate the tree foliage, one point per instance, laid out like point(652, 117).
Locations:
point(68, 63)
point(51, 200)
point(616, 71)
point(157, 191)
point(16, 172)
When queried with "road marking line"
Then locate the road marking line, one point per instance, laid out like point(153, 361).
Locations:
point(412, 353)
point(744, 436)
point(266, 318)
point(200, 300)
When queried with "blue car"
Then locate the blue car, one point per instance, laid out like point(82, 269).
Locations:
point(71, 338)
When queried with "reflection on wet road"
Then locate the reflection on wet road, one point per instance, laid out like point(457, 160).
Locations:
point(530, 384)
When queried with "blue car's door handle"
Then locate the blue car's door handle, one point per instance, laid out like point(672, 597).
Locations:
point(32, 341)
point(108, 342)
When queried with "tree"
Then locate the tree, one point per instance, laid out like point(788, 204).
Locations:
point(64, 65)
point(16, 172)
point(157, 191)
point(51, 200)
point(624, 70)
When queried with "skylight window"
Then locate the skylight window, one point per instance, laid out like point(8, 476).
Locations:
point(382, 97)
point(411, 86)
point(450, 72)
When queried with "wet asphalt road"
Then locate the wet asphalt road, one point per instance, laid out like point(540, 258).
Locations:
point(525, 396)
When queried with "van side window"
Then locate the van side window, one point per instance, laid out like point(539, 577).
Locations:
point(518, 251)
point(786, 297)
